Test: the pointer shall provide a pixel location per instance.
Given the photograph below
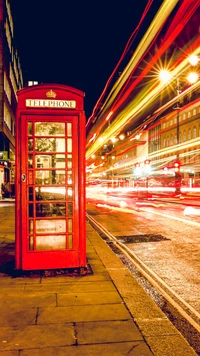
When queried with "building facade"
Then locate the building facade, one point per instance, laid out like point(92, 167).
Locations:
point(11, 80)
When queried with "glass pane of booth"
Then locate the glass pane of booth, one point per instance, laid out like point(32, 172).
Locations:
point(69, 161)
point(49, 129)
point(50, 226)
point(50, 210)
point(50, 242)
point(50, 161)
point(50, 193)
point(30, 128)
point(50, 144)
point(30, 144)
point(69, 129)
point(50, 177)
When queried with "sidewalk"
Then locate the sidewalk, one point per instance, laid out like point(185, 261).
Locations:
point(100, 314)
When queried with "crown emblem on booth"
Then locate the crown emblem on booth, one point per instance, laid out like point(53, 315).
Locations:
point(51, 94)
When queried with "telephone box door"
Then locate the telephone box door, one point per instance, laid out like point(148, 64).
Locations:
point(49, 192)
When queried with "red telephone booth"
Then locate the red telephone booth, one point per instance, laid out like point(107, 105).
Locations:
point(50, 178)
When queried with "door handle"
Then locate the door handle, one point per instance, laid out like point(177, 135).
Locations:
point(23, 177)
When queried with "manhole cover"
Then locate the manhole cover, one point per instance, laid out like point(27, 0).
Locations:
point(141, 238)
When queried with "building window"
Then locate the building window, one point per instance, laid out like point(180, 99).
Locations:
point(184, 116)
point(164, 142)
point(189, 134)
point(194, 111)
point(194, 132)
point(7, 117)
point(189, 114)
point(184, 136)
point(7, 88)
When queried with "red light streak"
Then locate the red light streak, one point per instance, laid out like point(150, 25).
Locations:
point(120, 60)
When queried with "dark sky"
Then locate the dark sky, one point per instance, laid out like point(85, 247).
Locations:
point(76, 43)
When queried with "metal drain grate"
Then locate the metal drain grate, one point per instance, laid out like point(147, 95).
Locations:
point(141, 238)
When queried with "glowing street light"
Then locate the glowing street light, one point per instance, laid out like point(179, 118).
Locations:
point(193, 59)
point(192, 77)
point(164, 76)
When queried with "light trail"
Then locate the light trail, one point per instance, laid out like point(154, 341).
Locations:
point(131, 211)
point(161, 16)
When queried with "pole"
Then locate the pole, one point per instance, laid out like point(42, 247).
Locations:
point(178, 173)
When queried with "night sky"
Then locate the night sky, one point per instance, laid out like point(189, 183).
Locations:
point(76, 43)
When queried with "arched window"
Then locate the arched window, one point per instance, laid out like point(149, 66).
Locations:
point(194, 132)
point(189, 114)
point(184, 136)
point(194, 111)
point(189, 134)
point(164, 142)
point(180, 137)
point(175, 139)
point(168, 143)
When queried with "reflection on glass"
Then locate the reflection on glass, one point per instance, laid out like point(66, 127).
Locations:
point(49, 129)
point(50, 226)
point(49, 242)
point(50, 210)
point(70, 207)
point(50, 193)
point(30, 144)
point(30, 226)
point(69, 129)
point(31, 243)
point(49, 177)
point(30, 128)
point(30, 161)
point(50, 161)
point(69, 161)
point(69, 193)
point(69, 145)
point(70, 241)
point(30, 210)
point(69, 225)
point(50, 144)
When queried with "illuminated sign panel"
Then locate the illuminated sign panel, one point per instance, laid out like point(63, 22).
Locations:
point(45, 103)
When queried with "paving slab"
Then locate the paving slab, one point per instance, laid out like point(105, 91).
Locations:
point(17, 300)
point(107, 332)
point(116, 349)
point(82, 313)
point(72, 287)
point(37, 336)
point(94, 298)
point(17, 316)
